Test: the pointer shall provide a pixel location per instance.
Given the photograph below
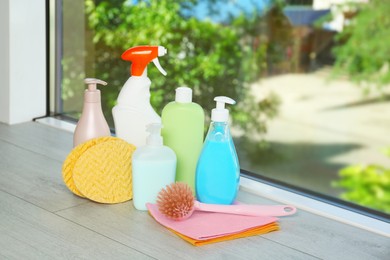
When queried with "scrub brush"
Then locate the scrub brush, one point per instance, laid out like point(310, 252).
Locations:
point(177, 202)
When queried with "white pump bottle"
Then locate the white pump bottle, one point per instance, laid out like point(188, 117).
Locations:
point(92, 123)
point(154, 167)
point(133, 111)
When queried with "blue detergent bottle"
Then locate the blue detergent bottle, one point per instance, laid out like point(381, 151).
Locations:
point(218, 171)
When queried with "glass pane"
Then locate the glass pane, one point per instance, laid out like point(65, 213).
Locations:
point(300, 72)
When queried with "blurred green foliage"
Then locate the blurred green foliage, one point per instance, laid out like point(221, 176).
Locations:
point(364, 51)
point(211, 58)
point(367, 185)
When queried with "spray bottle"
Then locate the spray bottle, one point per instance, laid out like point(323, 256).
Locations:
point(133, 111)
point(218, 171)
point(153, 168)
point(92, 123)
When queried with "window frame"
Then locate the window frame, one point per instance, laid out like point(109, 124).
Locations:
point(24, 77)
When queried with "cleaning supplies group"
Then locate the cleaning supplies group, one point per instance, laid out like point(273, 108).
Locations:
point(159, 159)
point(144, 167)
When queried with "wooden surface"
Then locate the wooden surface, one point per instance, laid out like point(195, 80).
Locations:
point(41, 219)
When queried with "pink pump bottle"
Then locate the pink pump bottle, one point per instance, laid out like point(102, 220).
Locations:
point(92, 123)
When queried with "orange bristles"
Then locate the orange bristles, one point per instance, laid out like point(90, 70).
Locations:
point(176, 201)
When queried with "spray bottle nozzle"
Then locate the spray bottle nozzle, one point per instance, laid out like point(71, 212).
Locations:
point(155, 134)
point(157, 64)
point(220, 113)
point(92, 82)
point(140, 56)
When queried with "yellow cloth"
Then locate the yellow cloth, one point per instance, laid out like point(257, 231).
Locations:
point(251, 232)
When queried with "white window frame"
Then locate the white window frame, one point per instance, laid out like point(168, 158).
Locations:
point(22, 60)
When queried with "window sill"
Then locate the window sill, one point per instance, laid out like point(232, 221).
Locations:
point(316, 207)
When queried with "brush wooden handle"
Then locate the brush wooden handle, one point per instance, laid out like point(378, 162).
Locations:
point(248, 210)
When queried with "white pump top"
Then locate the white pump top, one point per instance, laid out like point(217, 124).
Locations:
point(92, 94)
point(220, 113)
point(155, 134)
point(183, 95)
point(92, 83)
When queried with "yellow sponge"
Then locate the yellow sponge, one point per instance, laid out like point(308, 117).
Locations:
point(102, 172)
point(71, 159)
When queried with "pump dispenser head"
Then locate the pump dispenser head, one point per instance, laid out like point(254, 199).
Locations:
point(92, 94)
point(92, 82)
point(220, 113)
point(141, 56)
point(155, 134)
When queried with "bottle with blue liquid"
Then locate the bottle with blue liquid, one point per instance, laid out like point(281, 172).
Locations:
point(218, 171)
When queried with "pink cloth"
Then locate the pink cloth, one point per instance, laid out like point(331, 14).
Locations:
point(206, 225)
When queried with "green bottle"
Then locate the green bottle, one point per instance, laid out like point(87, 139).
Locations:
point(183, 130)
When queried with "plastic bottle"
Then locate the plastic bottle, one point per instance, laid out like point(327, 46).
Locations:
point(153, 168)
point(218, 170)
point(92, 123)
point(133, 111)
point(183, 122)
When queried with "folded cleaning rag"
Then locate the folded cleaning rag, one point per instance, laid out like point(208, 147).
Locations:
point(205, 227)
